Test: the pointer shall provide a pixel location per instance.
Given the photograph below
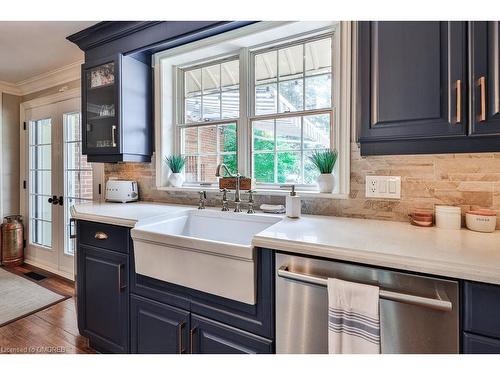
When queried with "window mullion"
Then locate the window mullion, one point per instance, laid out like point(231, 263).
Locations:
point(220, 91)
point(304, 76)
point(201, 95)
point(243, 152)
point(302, 158)
point(198, 153)
point(275, 153)
point(217, 146)
point(277, 81)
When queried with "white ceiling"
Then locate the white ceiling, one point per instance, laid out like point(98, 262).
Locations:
point(28, 49)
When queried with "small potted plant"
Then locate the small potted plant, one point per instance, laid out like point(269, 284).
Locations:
point(325, 162)
point(176, 164)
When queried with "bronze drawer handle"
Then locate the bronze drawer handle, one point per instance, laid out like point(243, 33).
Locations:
point(120, 285)
point(100, 236)
point(482, 87)
point(179, 332)
point(191, 338)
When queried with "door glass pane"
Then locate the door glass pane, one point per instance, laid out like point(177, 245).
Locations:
point(40, 182)
point(78, 184)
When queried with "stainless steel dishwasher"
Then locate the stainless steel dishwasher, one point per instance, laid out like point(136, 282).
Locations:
point(418, 314)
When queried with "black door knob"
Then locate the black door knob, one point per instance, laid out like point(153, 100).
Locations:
point(61, 201)
point(53, 200)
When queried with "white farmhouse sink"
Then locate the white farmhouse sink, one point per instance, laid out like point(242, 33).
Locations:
point(205, 250)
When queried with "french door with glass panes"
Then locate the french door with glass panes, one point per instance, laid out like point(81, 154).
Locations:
point(58, 176)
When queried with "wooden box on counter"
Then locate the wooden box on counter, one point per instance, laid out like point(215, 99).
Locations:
point(230, 183)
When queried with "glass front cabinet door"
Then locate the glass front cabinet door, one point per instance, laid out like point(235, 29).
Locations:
point(116, 104)
point(101, 118)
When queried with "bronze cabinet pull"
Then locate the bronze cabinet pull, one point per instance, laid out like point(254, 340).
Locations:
point(191, 338)
point(459, 101)
point(120, 285)
point(113, 130)
point(100, 236)
point(482, 87)
point(179, 332)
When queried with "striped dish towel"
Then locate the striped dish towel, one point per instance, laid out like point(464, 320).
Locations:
point(353, 318)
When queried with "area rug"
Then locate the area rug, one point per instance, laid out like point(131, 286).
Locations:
point(20, 297)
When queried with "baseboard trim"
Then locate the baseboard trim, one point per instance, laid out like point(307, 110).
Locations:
point(63, 274)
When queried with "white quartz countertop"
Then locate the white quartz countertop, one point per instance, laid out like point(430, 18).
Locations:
point(125, 214)
point(459, 254)
point(453, 253)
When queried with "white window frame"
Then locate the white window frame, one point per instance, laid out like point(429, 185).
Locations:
point(304, 112)
point(180, 122)
point(168, 91)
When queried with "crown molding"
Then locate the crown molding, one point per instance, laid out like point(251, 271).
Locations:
point(108, 31)
point(9, 88)
point(53, 78)
point(43, 81)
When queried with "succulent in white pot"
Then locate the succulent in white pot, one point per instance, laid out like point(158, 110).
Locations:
point(325, 161)
point(176, 164)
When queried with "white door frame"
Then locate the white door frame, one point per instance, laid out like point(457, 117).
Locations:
point(98, 168)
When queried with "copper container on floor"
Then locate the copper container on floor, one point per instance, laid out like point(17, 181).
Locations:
point(12, 241)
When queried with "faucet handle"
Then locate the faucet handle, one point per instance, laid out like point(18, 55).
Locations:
point(224, 194)
point(250, 195)
point(201, 202)
point(250, 202)
point(224, 199)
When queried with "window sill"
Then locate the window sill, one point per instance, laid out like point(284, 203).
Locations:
point(304, 193)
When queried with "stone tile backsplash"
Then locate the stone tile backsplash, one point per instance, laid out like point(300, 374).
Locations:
point(465, 180)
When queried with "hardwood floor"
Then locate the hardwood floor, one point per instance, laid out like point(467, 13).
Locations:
point(53, 330)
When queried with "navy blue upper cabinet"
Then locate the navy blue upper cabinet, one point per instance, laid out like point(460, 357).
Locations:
point(116, 106)
point(428, 87)
point(412, 80)
point(117, 80)
point(485, 80)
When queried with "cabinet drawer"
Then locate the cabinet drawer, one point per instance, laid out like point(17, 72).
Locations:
point(475, 344)
point(110, 237)
point(482, 308)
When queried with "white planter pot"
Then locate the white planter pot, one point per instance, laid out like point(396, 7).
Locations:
point(176, 179)
point(326, 182)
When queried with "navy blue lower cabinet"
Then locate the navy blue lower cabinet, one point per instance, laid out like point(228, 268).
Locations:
point(481, 309)
point(475, 344)
point(257, 319)
point(157, 328)
point(211, 337)
point(103, 298)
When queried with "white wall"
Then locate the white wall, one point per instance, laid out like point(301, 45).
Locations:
point(10, 185)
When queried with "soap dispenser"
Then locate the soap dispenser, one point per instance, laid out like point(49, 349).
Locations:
point(293, 204)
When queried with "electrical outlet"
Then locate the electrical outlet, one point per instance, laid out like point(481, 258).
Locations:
point(383, 187)
point(372, 185)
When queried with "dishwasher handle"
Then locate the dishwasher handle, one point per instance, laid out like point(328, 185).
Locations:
point(432, 303)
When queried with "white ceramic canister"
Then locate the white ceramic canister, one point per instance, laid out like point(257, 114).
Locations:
point(481, 220)
point(448, 217)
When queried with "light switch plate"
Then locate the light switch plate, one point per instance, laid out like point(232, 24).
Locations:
point(383, 187)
